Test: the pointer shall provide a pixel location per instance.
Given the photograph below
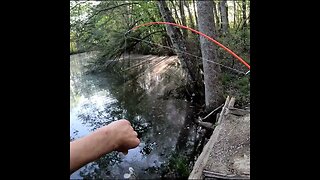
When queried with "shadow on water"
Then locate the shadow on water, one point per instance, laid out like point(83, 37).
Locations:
point(138, 93)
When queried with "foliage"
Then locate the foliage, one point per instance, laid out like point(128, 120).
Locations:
point(238, 42)
point(108, 22)
point(177, 167)
point(237, 86)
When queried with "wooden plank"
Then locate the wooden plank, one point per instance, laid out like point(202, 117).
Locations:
point(238, 112)
point(227, 153)
point(230, 153)
point(211, 174)
point(231, 102)
point(206, 125)
point(213, 111)
point(203, 158)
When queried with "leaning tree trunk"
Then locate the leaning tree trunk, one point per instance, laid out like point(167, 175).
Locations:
point(213, 86)
point(179, 45)
point(167, 38)
point(224, 17)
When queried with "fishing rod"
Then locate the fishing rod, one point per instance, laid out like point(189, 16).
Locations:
point(197, 32)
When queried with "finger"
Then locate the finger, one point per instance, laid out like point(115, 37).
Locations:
point(137, 142)
point(125, 152)
point(124, 120)
point(131, 128)
point(128, 122)
point(135, 133)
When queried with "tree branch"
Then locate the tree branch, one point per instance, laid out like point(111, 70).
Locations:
point(113, 7)
point(241, 24)
point(77, 4)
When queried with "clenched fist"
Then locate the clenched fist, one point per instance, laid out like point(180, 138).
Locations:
point(117, 136)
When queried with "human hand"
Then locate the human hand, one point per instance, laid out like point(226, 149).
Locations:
point(123, 135)
point(117, 136)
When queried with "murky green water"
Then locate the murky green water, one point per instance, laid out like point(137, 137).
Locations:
point(164, 125)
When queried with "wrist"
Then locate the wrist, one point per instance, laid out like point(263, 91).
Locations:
point(109, 138)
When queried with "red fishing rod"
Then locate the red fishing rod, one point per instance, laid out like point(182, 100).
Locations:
point(200, 33)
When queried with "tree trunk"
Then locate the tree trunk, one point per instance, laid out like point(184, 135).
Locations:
point(216, 17)
point(195, 14)
point(213, 86)
point(165, 34)
point(244, 15)
point(243, 23)
point(239, 18)
point(179, 45)
point(234, 14)
point(175, 12)
point(249, 14)
point(213, 22)
point(183, 18)
point(186, 3)
point(194, 44)
point(224, 17)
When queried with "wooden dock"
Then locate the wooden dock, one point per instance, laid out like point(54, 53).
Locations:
point(227, 153)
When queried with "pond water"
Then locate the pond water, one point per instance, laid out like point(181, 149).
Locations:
point(164, 124)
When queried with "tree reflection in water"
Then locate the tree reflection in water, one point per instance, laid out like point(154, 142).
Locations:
point(164, 125)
